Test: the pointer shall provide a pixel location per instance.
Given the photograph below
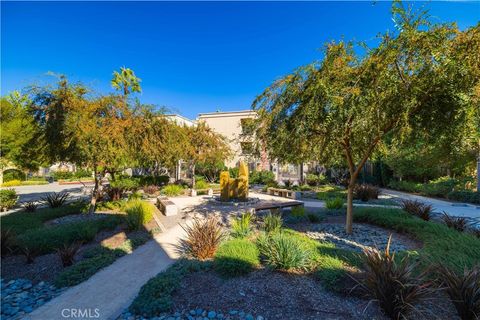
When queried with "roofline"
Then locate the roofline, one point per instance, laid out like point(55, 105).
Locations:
point(178, 115)
point(227, 113)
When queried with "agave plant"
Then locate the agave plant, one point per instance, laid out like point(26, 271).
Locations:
point(203, 238)
point(30, 206)
point(55, 199)
point(67, 253)
point(463, 290)
point(457, 223)
point(395, 285)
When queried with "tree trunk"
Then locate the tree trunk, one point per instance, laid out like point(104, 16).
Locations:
point(349, 219)
point(93, 200)
point(193, 176)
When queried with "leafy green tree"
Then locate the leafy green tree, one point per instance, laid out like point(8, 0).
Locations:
point(349, 103)
point(20, 140)
point(126, 81)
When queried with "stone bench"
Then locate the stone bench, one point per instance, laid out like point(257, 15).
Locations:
point(167, 207)
point(283, 193)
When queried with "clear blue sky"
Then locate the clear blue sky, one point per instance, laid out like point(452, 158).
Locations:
point(192, 56)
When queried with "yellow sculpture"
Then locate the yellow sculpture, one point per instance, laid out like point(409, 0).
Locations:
point(231, 188)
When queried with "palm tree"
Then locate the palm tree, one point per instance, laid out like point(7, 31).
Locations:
point(126, 81)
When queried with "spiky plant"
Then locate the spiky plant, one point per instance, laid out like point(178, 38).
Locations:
point(366, 192)
point(417, 208)
point(30, 206)
point(8, 239)
point(67, 253)
point(241, 226)
point(457, 223)
point(463, 290)
point(55, 200)
point(203, 237)
point(394, 284)
point(30, 253)
point(272, 222)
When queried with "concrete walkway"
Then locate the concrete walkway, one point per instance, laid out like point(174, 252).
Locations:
point(107, 293)
point(452, 208)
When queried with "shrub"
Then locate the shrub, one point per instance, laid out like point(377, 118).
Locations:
point(13, 174)
point(393, 284)
point(8, 199)
point(201, 184)
point(334, 204)
point(7, 240)
point(405, 186)
point(12, 183)
point(366, 192)
point(417, 208)
point(272, 222)
point(119, 187)
point(30, 206)
point(287, 183)
point(173, 190)
point(439, 187)
point(315, 180)
point(330, 191)
point(463, 290)
point(314, 218)
point(457, 223)
point(67, 253)
point(151, 189)
point(55, 200)
point(298, 212)
point(283, 251)
point(30, 253)
point(262, 177)
point(203, 238)
point(236, 257)
point(241, 226)
point(464, 196)
point(62, 175)
point(152, 180)
point(138, 213)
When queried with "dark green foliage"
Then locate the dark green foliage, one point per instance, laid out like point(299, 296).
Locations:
point(68, 175)
point(407, 186)
point(438, 240)
point(55, 200)
point(119, 187)
point(236, 257)
point(334, 203)
point(138, 213)
point(417, 208)
point(331, 191)
point(95, 259)
point(20, 222)
point(29, 252)
point(13, 174)
point(464, 196)
point(152, 180)
point(262, 177)
point(314, 218)
point(284, 251)
point(297, 212)
point(315, 179)
point(203, 238)
point(456, 223)
point(47, 239)
point(67, 253)
point(395, 285)
point(366, 192)
point(463, 289)
point(8, 199)
point(7, 240)
point(173, 190)
point(30, 206)
point(155, 296)
point(272, 222)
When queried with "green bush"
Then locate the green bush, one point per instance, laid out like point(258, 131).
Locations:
point(8, 199)
point(241, 226)
point(314, 218)
point(405, 186)
point(120, 186)
point(62, 175)
point(262, 177)
point(272, 222)
point(152, 180)
point(297, 212)
point(284, 251)
point(331, 191)
point(173, 190)
point(315, 179)
point(334, 204)
point(138, 213)
point(13, 174)
point(464, 196)
point(47, 239)
point(201, 184)
point(236, 257)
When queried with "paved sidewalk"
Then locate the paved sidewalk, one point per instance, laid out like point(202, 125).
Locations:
point(112, 289)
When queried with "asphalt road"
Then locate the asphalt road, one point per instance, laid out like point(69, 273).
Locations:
point(35, 193)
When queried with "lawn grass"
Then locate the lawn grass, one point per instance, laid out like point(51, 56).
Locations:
point(95, 259)
point(236, 257)
point(440, 244)
point(21, 222)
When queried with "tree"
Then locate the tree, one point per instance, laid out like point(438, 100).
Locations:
point(204, 146)
point(348, 104)
point(20, 140)
point(126, 81)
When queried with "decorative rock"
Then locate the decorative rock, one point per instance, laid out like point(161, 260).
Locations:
point(212, 314)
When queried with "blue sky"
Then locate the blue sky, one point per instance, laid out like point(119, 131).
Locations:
point(191, 56)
